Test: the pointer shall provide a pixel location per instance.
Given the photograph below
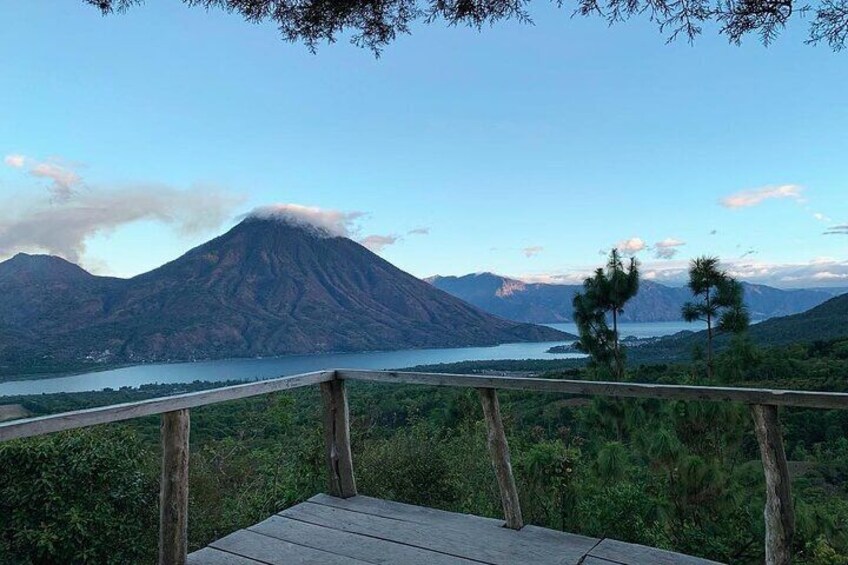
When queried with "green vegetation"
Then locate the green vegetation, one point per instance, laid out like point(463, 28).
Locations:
point(719, 297)
point(827, 321)
point(604, 294)
point(683, 476)
point(18, 364)
point(81, 497)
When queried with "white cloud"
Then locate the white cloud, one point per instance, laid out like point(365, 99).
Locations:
point(328, 222)
point(667, 248)
point(821, 217)
point(669, 242)
point(15, 161)
point(64, 180)
point(574, 277)
point(377, 243)
point(63, 227)
point(631, 246)
point(818, 272)
point(748, 198)
point(532, 251)
point(63, 224)
point(830, 276)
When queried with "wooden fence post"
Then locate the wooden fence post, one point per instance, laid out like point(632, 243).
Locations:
point(173, 489)
point(341, 481)
point(779, 513)
point(499, 450)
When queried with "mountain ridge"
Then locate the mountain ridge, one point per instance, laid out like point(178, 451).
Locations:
point(551, 303)
point(265, 287)
point(827, 321)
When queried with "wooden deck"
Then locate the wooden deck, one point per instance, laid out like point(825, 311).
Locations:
point(329, 530)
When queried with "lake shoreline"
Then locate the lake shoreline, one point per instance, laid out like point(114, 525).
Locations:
point(21, 377)
point(253, 368)
point(134, 375)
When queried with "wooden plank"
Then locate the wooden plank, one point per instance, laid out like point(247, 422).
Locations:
point(499, 452)
point(486, 543)
point(340, 478)
point(274, 551)
point(634, 554)
point(779, 513)
point(554, 537)
point(357, 546)
point(210, 556)
point(119, 412)
point(589, 560)
point(432, 516)
point(173, 489)
point(402, 511)
point(802, 399)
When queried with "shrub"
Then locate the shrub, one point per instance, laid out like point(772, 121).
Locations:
point(86, 496)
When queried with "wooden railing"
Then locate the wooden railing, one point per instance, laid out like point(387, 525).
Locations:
point(173, 488)
point(779, 517)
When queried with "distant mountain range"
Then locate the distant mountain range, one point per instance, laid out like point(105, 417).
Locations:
point(550, 303)
point(266, 287)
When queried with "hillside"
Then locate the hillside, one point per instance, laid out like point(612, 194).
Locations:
point(824, 322)
point(549, 303)
point(828, 321)
point(266, 287)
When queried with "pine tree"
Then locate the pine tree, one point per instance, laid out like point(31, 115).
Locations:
point(605, 293)
point(720, 302)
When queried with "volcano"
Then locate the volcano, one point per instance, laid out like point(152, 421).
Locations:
point(266, 287)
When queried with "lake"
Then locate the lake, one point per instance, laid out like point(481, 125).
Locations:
point(270, 367)
point(642, 329)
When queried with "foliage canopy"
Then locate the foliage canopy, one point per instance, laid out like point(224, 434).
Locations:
point(605, 292)
point(60, 493)
point(376, 23)
point(719, 298)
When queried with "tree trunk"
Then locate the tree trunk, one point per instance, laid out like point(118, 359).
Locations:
point(618, 367)
point(615, 342)
point(709, 347)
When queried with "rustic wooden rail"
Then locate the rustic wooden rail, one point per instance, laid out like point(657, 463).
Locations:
point(130, 410)
point(778, 513)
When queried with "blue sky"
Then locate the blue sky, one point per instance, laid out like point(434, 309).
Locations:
point(522, 150)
